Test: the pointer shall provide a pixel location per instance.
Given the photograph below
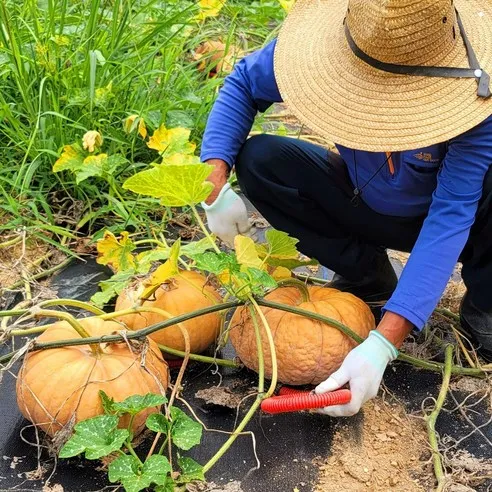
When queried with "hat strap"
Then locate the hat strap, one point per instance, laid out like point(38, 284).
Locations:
point(482, 77)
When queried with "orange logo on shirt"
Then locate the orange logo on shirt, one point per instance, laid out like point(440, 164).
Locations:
point(424, 156)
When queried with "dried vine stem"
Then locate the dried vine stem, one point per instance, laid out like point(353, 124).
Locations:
point(128, 336)
point(424, 364)
point(48, 313)
point(431, 420)
point(21, 310)
point(200, 358)
point(254, 310)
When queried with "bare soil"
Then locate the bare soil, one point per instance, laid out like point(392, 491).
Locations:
point(18, 260)
point(391, 455)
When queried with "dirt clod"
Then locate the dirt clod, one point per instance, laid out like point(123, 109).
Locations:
point(221, 396)
point(56, 487)
point(212, 487)
point(378, 461)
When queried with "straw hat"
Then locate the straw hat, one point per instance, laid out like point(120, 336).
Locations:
point(326, 58)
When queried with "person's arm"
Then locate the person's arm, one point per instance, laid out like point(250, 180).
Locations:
point(250, 88)
point(431, 263)
point(446, 228)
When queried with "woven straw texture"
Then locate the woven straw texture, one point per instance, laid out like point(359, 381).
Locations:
point(344, 99)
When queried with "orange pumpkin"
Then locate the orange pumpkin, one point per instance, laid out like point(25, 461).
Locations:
point(60, 387)
point(183, 294)
point(308, 351)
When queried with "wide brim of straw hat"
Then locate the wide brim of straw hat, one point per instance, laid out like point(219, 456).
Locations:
point(347, 101)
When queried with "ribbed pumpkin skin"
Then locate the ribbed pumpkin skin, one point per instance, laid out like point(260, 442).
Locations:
point(59, 384)
point(177, 297)
point(308, 351)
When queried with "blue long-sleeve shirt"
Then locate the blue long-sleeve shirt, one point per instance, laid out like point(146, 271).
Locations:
point(443, 182)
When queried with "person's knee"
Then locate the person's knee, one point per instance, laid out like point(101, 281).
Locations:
point(255, 152)
point(255, 158)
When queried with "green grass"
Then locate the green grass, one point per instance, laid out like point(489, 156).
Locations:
point(69, 66)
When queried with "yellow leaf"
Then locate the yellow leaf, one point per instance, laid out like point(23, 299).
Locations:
point(95, 160)
point(142, 129)
point(69, 158)
point(209, 8)
point(116, 253)
point(281, 273)
point(181, 159)
point(171, 140)
point(61, 40)
point(92, 140)
point(164, 272)
point(246, 253)
point(286, 4)
point(128, 125)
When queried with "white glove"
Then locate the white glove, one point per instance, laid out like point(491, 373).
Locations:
point(227, 216)
point(363, 369)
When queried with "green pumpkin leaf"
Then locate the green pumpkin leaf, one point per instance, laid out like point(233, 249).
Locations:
point(112, 287)
point(190, 470)
point(158, 423)
point(185, 432)
point(280, 251)
point(75, 159)
point(147, 258)
point(281, 245)
point(196, 247)
point(97, 437)
point(135, 477)
point(175, 185)
point(169, 486)
point(216, 263)
point(260, 279)
point(136, 403)
point(107, 403)
point(113, 162)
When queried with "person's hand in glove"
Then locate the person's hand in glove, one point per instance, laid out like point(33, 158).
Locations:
point(226, 212)
point(363, 370)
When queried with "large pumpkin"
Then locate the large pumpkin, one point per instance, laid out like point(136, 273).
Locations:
point(308, 351)
point(183, 294)
point(60, 387)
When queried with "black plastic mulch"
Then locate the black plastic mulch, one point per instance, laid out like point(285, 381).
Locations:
point(286, 445)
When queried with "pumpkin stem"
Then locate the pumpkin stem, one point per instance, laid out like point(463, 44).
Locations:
point(299, 285)
point(74, 303)
point(48, 313)
point(259, 347)
point(6, 315)
point(204, 229)
point(432, 418)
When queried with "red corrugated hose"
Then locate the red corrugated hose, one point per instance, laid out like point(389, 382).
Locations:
point(293, 400)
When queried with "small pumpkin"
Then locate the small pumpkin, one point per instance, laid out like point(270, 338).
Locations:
point(183, 294)
point(59, 387)
point(308, 351)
